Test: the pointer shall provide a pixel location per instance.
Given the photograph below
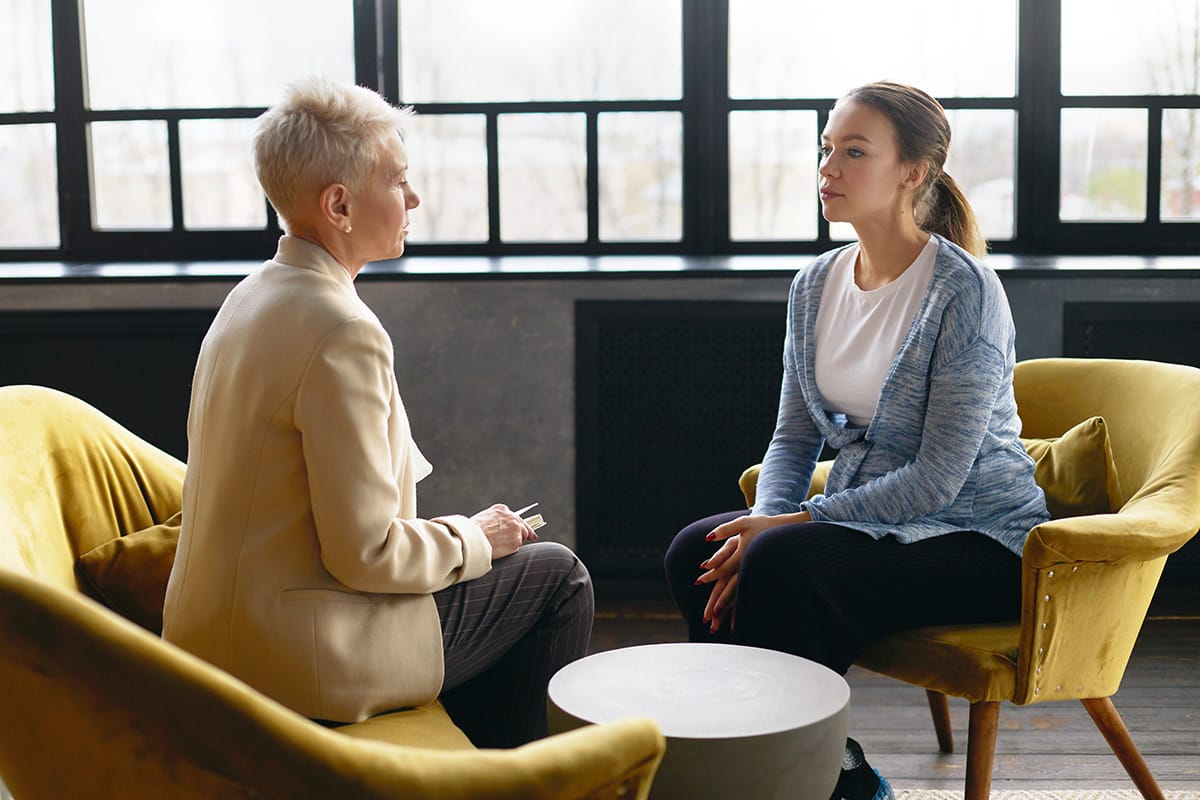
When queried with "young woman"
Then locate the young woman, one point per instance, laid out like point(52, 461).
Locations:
point(899, 355)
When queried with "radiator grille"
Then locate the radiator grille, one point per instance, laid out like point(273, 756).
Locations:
point(674, 400)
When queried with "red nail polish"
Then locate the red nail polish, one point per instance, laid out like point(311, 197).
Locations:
point(709, 538)
point(699, 582)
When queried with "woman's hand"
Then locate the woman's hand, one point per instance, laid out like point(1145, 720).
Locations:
point(505, 531)
point(722, 567)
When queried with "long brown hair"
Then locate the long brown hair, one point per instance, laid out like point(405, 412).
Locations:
point(923, 135)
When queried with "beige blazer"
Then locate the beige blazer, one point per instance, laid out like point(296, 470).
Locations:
point(302, 567)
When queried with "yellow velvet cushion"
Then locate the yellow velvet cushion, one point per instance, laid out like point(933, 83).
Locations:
point(129, 574)
point(1076, 470)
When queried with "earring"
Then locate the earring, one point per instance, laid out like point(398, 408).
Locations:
point(348, 228)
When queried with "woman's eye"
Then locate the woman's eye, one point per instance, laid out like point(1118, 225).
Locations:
point(823, 151)
point(854, 152)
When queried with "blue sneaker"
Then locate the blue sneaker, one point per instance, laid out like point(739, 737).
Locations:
point(858, 780)
point(885, 789)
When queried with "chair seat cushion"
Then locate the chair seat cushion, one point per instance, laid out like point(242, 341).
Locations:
point(428, 726)
point(978, 662)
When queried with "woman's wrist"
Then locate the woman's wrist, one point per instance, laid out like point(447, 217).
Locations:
point(794, 518)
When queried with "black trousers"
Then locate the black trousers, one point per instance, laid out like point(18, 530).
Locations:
point(505, 634)
point(826, 592)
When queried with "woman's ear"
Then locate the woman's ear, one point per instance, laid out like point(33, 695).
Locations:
point(335, 205)
point(915, 174)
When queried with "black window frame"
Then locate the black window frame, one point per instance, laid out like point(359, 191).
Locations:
point(705, 105)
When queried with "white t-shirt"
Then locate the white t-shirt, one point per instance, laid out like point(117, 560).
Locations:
point(859, 332)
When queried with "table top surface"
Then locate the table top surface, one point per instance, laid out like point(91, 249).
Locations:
point(700, 691)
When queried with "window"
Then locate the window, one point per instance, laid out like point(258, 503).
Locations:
point(465, 51)
point(169, 131)
point(28, 211)
point(577, 119)
point(1128, 143)
point(595, 126)
point(773, 66)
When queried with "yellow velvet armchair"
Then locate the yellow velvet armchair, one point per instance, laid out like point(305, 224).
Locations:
point(1090, 573)
point(95, 706)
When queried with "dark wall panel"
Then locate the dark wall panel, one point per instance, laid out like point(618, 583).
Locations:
point(136, 365)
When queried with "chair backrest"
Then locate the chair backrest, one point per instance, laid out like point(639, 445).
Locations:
point(1151, 409)
point(71, 479)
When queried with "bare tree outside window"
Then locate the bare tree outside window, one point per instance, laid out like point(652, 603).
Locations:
point(543, 195)
point(983, 157)
point(1174, 68)
point(28, 200)
point(463, 51)
point(447, 154)
point(220, 189)
point(641, 176)
point(773, 175)
point(28, 162)
point(949, 48)
point(1108, 51)
point(215, 54)
point(132, 179)
point(145, 54)
point(777, 49)
point(520, 50)
point(25, 63)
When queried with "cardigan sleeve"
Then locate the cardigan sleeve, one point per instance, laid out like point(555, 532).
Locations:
point(342, 412)
point(967, 371)
point(791, 457)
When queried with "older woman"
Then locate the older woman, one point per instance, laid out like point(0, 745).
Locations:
point(303, 567)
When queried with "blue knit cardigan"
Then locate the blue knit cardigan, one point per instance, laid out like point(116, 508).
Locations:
point(942, 452)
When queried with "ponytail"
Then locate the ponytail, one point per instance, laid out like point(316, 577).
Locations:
point(943, 209)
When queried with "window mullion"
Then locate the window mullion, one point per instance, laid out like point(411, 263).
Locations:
point(592, 176)
point(705, 127)
point(1154, 137)
point(368, 64)
point(74, 194)
point(1040, 98)
point(493, 176)
point(387, 42)
point(175, 167)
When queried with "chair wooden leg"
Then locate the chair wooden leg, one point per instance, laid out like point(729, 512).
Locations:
point(981, 748)
point(1105, 715)
point(940, 711)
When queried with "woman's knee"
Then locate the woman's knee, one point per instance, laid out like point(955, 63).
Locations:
point(776, 555)
point(558, 560)
point(690, 547)
point(565, 572)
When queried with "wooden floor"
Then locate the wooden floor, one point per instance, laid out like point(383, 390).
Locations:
point(1043, 746)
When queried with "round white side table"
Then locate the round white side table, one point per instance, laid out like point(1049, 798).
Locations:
point(740, 722)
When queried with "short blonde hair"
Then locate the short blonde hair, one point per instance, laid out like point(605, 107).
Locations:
point(321, 132)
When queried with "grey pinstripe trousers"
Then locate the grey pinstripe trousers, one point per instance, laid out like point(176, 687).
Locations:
point(505, 634)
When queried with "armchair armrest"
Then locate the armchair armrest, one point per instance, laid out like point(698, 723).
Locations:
point(1143, 530)
point(748, 482)
point(597, 762)
point(138, 717)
